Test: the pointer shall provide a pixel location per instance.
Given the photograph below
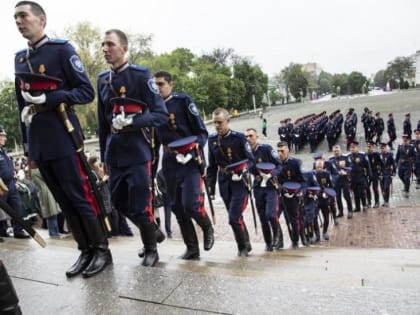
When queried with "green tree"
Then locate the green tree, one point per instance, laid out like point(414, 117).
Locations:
point(380, 79)
point(356, 81)
point(340, 83)
point(140, 48)
point(254, 80)
point(295, 79)
point(9, 117)
point(325, 82)
point(87, 40)
point(399, 69)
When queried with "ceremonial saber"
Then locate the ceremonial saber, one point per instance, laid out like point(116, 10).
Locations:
point(12, 213)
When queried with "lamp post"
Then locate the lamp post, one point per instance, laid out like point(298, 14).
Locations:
point(254, 91)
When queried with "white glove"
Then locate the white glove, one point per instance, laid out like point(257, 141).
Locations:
point(26, 116)
point(265, 178)
point(183, 159)
point(120, 121)
point(236, 177)
point(124, 121)
point(40, 99)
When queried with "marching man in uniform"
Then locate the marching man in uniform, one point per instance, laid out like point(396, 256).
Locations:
point(230, 158)
point(128, 104)
point(48, 74)
point(266, 190)
point(183, 137)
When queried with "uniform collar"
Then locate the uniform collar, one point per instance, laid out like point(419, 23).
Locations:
point(39, 43)
point(170, 96)
point(256, 147)
point(121, 68)
point(226, 134)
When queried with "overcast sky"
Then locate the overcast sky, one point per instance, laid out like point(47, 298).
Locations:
point(342, 36)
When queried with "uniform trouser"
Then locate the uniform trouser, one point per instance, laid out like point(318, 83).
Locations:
point(130, 192)
point(235, 198)
point(386, 182)
point(331, 142)
point(404, 173)
point(342, 189)
point(12, 198)
point(375, 187)
point(267, 203)
point(310, 206)
point(292, 216)
point(417, 171)
point(185, 189)
point(168, 210)
point(392, 138)
point(378, 136)
point(359, 190)
point(68, 183)
point(312, 144)
point(324, 206)
point(67, 180)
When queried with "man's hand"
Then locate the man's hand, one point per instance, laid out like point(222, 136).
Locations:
point(183, 159)
point(26, 115)
point(265, 178)
point(236, 177)
point(29, 98)
point(120, 121)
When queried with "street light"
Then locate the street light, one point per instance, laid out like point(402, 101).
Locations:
point(254, 91)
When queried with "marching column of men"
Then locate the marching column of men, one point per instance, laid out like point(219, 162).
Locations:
point(266, 190)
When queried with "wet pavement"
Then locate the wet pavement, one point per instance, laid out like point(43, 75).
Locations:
point(370, 265)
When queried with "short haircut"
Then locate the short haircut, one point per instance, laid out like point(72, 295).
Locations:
point(282, 144)
point(337, 146)
point(36, 9)
point(121, 36)
point(251, 129)
point(164, 74)
point(221, 110)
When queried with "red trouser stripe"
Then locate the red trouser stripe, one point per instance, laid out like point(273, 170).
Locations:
point(88, 192)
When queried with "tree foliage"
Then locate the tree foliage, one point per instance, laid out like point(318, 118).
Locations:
point(399, 68)
point(295, 79)
point(356, 82)
point(9, 117)
point(380, 79)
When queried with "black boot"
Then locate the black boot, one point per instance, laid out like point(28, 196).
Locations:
point(247, 241)
point(98, 243)
point(190, 239)
point(240, 241)
point(310, 234)
point(317, 232)
point(148, 236)
point(80, 237)
point(160, 237)
point(267, 237)
point(208, 231)
point(277, 235)
point(9, 302)
point(303, 237)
